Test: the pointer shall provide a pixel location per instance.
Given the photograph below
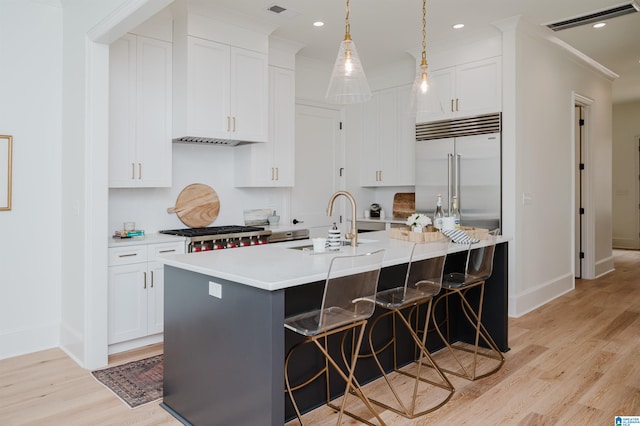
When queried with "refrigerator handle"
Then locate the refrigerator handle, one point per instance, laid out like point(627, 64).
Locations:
point(457, 179)
point(450, 180)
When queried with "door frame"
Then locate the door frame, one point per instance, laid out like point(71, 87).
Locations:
point(588, 218)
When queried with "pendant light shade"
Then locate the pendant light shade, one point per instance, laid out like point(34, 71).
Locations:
point(420, 100)
point(348, 82)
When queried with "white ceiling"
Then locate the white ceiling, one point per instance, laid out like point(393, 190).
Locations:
point(384, 30)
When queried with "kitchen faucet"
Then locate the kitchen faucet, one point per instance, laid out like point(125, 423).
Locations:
point(353, 235)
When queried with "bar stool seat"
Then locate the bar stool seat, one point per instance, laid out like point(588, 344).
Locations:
point(478, 268)
point(348, 301)
point(422, 282)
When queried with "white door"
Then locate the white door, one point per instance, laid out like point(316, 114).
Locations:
point(319, 156)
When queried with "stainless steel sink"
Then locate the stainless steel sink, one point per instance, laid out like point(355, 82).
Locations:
point(343, 243)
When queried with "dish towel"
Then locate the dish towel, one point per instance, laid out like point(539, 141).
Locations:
point(458, 236)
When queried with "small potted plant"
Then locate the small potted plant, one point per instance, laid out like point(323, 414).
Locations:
point(418, 222)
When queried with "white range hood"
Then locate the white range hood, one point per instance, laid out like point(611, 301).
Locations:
point(220, 76)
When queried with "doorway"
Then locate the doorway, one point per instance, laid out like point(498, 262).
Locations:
point(319, 159)
point(584, 216)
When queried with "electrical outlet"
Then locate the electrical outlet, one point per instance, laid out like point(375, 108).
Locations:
point(215, 290)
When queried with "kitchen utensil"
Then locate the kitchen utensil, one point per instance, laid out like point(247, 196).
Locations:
point(197, 205)
point(404, 204)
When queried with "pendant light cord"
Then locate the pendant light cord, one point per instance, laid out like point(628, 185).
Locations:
point(424, 33)
point(347, 27)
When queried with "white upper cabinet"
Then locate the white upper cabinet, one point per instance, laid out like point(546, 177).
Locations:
point(388, 139)
point(465, 90)
point(140, 112)
point(272, 164)
point(227, 92)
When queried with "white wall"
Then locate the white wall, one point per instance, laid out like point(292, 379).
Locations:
point(626, 133)
point(538, 150)
point(30, 101)
point(211, 165)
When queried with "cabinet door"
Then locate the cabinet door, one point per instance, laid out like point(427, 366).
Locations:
point(370, 142)
point(155, 298)
point(439, 103)
point(127, 308)
point(282, 116)
point(122, 110)
point(389, 139)
point(405, 139)
point(208, 90)
point(249, 95)
point(387, 125)
point(153, 124)
point(479, 87)
point(271, 164)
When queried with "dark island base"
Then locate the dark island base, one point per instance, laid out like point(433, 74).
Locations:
point(224, 358)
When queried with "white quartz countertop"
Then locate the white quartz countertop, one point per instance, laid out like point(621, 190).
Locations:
point(152, 238)
point(276, 266)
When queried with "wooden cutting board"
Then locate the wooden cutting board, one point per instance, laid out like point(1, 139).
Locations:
point(404, 204)
point(197, 205)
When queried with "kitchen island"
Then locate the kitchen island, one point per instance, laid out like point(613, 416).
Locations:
point(224, 339)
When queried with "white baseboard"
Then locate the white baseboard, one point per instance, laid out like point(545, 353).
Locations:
point(28, 339)
point(534, 298)
point(72, 343)
point(135, 344)
point(604, 266)
point(626, 243)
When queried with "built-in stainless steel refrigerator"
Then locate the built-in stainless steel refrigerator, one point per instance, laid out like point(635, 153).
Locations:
point(461, 157)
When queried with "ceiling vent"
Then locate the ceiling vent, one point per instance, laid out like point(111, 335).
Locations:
point(276, 9)
point(614, 12)
point(282, 11)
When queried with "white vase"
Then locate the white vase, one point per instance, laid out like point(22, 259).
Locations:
point(416, 228)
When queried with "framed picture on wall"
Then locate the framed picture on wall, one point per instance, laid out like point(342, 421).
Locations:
point(6, 145)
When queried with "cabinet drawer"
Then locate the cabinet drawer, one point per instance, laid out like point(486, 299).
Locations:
point(156, 250)
point(127, 255)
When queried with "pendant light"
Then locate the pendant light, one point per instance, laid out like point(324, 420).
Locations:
point(348, 83)
point(419, 98)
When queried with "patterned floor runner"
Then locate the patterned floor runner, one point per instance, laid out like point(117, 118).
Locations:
point(135, 383)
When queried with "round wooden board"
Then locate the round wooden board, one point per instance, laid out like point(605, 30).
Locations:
point(197, 205)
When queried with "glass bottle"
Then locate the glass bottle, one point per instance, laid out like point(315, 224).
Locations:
point(455, 213)
point(438, 214)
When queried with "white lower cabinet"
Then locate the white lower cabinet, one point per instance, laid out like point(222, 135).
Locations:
point(136, 290)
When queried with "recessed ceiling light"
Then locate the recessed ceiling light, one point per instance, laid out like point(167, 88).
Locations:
point(318, 24)
point(599, 25)
point(458, 26)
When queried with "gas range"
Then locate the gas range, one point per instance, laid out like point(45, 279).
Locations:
point(221, 237)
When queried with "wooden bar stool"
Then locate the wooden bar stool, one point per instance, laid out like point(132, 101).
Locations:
point(347, 303)
point(479, 266)
point(422, 282)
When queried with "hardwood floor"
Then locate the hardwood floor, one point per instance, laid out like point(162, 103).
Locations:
point(573, 361)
